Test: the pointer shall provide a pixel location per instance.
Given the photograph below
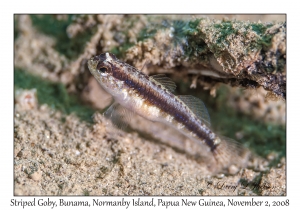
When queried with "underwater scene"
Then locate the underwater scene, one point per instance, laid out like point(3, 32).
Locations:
point(191, 88)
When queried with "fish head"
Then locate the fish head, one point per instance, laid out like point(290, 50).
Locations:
point(106, 68)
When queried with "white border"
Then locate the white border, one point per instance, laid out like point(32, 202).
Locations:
point(153, 6)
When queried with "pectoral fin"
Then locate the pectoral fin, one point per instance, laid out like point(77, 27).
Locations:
point(119, 116)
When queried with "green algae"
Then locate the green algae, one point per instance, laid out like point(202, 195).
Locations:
point(49, 25)
point(265, 40)
point(225, 29)
point(119, 51)
point(146, 33)
point(55, 95)
point(69, 47)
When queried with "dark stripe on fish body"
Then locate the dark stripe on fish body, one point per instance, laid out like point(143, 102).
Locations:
point(156, 96)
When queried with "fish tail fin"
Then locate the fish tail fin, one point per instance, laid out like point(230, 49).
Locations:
point(230, 152)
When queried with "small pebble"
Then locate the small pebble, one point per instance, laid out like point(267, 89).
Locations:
point(26, 99)
point(233, 169)
point(220, 176)
point(36, 176)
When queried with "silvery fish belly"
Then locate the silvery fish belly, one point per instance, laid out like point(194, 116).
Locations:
point(152, 98)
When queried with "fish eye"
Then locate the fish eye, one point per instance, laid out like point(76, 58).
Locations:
point(102, 69)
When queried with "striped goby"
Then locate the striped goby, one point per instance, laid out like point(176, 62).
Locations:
point(152, 98)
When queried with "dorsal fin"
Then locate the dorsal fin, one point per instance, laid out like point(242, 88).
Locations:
point(197, 106)
point(164, 81)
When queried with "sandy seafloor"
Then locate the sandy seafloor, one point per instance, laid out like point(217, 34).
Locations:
point(59, 150)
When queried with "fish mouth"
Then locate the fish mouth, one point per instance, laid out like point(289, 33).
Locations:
point(92, 63)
